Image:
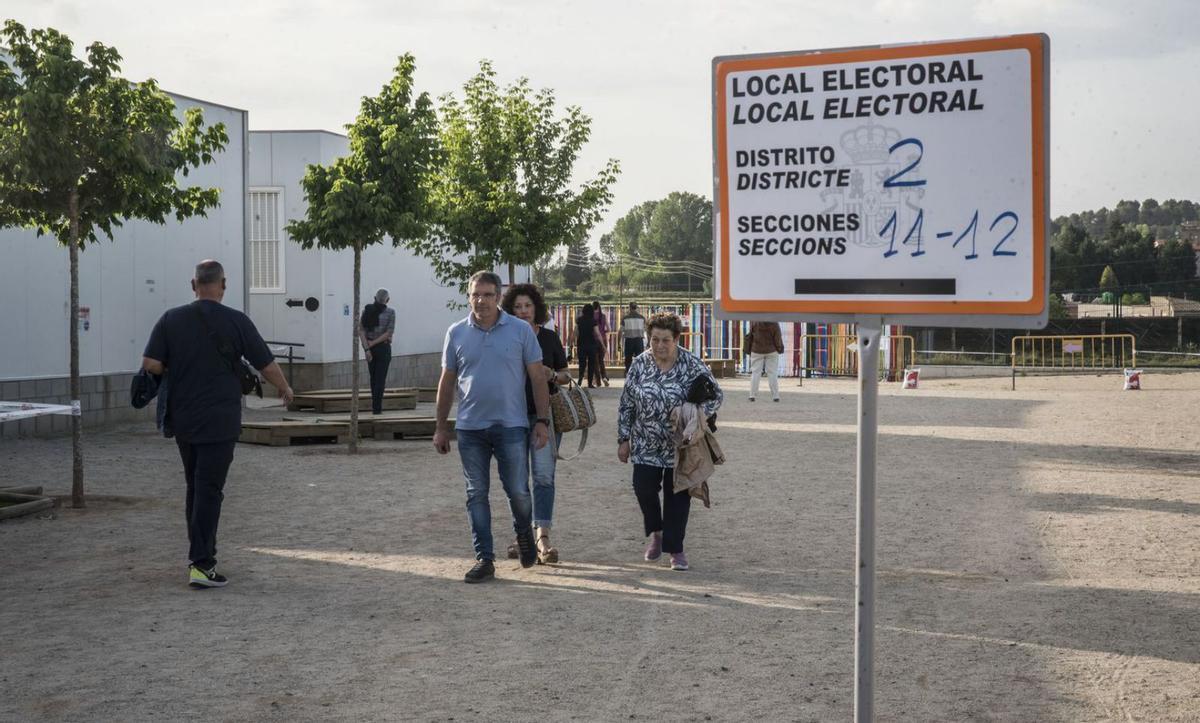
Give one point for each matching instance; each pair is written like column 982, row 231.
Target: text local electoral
column 899, row 98
column 833, row 80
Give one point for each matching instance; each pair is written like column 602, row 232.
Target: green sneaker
column 198, row 578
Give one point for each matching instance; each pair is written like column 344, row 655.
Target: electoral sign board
column 907, row 181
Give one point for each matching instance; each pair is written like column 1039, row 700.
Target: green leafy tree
column 628, row 232
column 1108, row 279
column 668, row 242
column 577, row 265
column 504, row 194
column 1133, row 250
column 681, row 229
column 1058, row 309
column 1176, row 261
column 82, row 150
column 379, row 189
column 1072, row 251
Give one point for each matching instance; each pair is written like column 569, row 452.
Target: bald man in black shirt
column 204, row 401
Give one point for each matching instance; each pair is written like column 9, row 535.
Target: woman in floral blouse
column 658, row 381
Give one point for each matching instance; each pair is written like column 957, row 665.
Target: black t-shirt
column 553, row 356
column 585, row 325
column 204, row 397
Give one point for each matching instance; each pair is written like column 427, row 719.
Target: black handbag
column 143, row 389
column 703, row 389
column 247, row 379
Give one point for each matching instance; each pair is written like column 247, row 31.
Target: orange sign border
column 1035, row 44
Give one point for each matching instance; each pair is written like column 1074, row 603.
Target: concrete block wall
column 410, row 370
column 104, row 399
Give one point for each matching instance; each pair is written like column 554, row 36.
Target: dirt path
column 1039, row 556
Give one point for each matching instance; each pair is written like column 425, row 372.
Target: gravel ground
column 1038, row 553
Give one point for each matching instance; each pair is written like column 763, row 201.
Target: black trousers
column 589, row 360
column 381, row 358
column 204, row 467
column 601, row 372
column 671, row 516
column 633, row 347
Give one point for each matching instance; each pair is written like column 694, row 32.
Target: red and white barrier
column 12, row 411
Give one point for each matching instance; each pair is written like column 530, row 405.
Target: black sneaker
column 483, row 571
column 527, row 547
column 201, row 578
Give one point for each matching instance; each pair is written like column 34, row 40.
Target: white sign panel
column 908, row 182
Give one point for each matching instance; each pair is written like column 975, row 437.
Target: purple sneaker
column 678, row 561
column 654, row 547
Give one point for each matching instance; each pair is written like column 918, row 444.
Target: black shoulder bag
column 246, row 377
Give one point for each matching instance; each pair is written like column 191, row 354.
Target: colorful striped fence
column 804, row 353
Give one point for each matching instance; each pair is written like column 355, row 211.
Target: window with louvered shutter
column 266, row 241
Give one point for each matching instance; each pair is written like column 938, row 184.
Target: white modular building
column 299, row 299
column 124, row 286
column 300, row 296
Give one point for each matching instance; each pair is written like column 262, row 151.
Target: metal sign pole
column 869, row 330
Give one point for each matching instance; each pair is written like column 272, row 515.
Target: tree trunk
column 512, row 273
column 354, row 351
column 76, row 420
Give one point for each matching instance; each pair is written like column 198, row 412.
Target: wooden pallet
column 615, row 370
column 14, row 503
column 283, row 434
column 722, row 368
column 424, row 394
column 411, row 428
column 364, row 390
column 325, row 403
column 366, row 420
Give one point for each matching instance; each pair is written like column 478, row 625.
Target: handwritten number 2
column 1009, row 215
column 891, row 180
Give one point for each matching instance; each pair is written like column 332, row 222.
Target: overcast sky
column 1125, row 76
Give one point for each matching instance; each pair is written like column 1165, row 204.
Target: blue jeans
column 510, row 447
column 541, row 468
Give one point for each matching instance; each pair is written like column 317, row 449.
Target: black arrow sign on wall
column 294, row 302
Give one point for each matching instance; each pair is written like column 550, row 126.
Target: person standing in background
column 601, row 333
column 764, row 343
column 633, row 333
column 378, row 324
column 585, row 345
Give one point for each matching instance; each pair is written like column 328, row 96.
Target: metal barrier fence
column 290, row 356
column 1072, row 354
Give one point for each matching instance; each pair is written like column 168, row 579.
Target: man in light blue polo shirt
column 487, row 356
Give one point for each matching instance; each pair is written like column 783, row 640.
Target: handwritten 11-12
column 888, row 231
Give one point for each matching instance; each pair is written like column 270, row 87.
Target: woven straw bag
column 571, row 410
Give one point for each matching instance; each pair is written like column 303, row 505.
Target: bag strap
column 570, row 403
column 589, row 410
column 574, row 412
column 582, row 443
column 215, row 338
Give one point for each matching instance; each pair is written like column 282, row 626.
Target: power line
column 647, row 269
column 636, row 262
